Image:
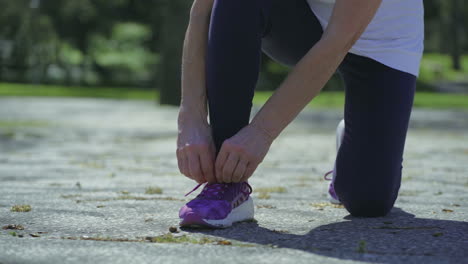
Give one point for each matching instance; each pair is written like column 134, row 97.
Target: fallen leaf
column 267, row 206
column 16, row 227
column 224, row 242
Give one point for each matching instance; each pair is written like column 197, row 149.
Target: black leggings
column 377, row 106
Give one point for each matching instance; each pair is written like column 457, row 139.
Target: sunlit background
column 131, row 49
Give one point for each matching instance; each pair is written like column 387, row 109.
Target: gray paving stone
column 83, row 165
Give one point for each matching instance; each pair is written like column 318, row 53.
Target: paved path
column 84, row 165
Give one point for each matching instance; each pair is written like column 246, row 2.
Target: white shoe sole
column 333, row 200
column 339, row 134
column 339, row 138
column 243, row 212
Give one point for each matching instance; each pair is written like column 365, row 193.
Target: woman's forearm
column 302, row 84
column 193, row 94
column 349, row 19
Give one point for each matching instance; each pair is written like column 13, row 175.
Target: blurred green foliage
column 118, row 43
column 124, row 53
column 437, row 67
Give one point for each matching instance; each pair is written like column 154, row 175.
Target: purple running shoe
column 219, row 205
column 332, row 197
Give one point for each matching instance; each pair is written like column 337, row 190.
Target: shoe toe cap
column 205, row 209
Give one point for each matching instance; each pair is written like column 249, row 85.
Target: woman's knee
column 237, row 24
column 368, row 176
column 369, row 201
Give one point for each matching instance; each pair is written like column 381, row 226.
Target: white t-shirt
column 394, row 37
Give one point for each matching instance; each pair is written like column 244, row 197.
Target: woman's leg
column 239, row 31
column 232, row 65
column 377, row 111
column 292, row 30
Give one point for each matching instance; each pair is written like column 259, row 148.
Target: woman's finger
column 184, row 163
column 180, row 160
column 249, row 170
column 207, row 165
column 229, row 166
column 194, row 167
column 239, row 170
column 219, row 163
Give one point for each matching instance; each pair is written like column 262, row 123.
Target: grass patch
column 70, row 196
column 22, row 123
column 169, row 238
column 264, row 195
column 21, row 208
column 323, row 205
column 153, row 190
column 421, row 100
column 441, row 101
column 139, row 198
column 108, row 239
column 184, row 239
column 13, row 89
column 131, row 197
column 410, row 192
column 271, row 190
column 7, row 134
column 166, row 238
column 362, row 247
column 323, row 100
column 89, row 164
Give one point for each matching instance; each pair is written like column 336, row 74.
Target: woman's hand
column 195, row 147
column 196, row 150
column 240, row 154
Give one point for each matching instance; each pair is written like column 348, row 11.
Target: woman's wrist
column 259, row 126
column 192, row 114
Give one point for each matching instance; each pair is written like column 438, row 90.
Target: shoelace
column 325, row 177
column 216, row 188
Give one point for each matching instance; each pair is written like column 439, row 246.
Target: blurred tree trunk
column 442, row 23
column 455, row 25
column 22, row 47
column 176, row 17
